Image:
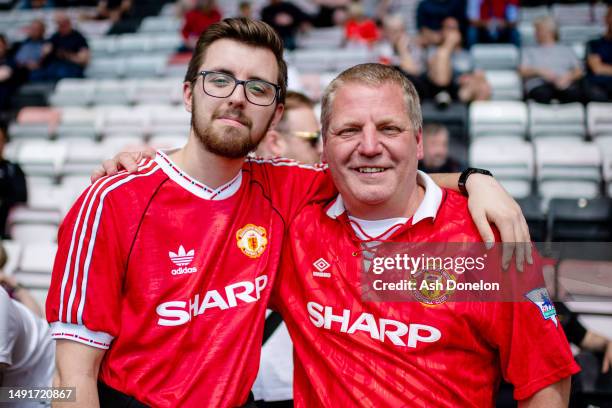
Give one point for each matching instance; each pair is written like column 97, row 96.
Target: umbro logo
column 321, row 265
column 182, row 259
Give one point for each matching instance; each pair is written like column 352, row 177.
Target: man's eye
column 257, row 89
column 220, row 81
column 348, row 131
column 391, row 130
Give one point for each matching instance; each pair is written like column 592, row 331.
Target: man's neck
column 208, row 168
column 398, row 208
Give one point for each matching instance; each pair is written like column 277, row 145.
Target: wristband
column 464, row 177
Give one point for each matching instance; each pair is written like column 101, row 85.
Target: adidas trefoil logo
column 182, row 259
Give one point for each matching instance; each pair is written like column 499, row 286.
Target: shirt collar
column 427, row 209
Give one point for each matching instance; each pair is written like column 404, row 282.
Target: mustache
column 233, row 114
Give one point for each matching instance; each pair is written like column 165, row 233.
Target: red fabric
column 350, row 359
column 365, row 31
column 118, row 251
column 495, row 8
column 196, row 22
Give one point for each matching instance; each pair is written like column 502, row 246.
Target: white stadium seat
column 599, row 119
column 498, row 118
column 506, row 85
column 556, row 120
column 495, row 56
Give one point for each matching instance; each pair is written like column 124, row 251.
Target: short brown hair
column 372, row 74
column 246, row 31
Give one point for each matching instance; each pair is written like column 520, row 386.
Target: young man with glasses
column 162, row 276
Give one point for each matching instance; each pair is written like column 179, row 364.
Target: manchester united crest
column 252, row 240
column 430, row 284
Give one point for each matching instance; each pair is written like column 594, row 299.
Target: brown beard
column 232, row 143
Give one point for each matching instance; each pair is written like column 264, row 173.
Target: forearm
column 593, row 342
column 440, row 67
column 407, row 63
column 86, row 391
column 553, row 396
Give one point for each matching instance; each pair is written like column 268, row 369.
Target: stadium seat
column 168, row 141
column 103, row 47
column 112, row 92
column 82, row 156
column 78, row 123
column 37, row 258
column 114, row 145
column 168, row 120
column 158, row 91
column 34, row 123
column 506, row 85
column 536, row 220
column 165, row 43
column 73, row 92
column 605, row 146
column 570, row 34
column 577, row 14
column 599, row 119
column 99, row 68
column 122, row 121
column 13, row 254
column 529, row 14
column 580, row 220
column 495, row 56
column 160, row 24
column 510, row 160
column 133, row 44
column 322, row 38
column 498, row 118
column 331, row 60
column 42, row 158
column 145, row 66
column 28, row 225
column 527, row 33
column 556, row 120
column 567, row 168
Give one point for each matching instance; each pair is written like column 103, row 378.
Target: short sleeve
column 84, row 298
column 534, row 352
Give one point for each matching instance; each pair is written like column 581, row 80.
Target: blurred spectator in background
column 245, row 9
column 493, row 21
column 297, row 135
column 35, row 4
column 7, row 70
column 66, row 53
column 359, row 28
column 286, row 18
column 451, row 71
column 13, row 187
column 599, row 64
column 113, row 10
column 197, row 20
column 404, row 52
column 27, row 352
column 331, row 12
column 435, row 151
column 431, row 13
column 29, row 55
column 550, row 70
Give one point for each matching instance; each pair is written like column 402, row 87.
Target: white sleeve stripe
column 94, row 233
column 80, row 334
column 80, row 222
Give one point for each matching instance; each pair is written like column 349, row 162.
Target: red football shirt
column 173, row 278
column 373, row 354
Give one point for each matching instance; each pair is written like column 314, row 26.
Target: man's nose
column 369, row 145
column 238, row 97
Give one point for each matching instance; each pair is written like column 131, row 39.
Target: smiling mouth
column 370, row 170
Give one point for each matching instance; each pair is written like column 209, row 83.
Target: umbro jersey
column 173, row 278
column 348, row 352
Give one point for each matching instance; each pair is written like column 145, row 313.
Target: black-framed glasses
column 222, row 85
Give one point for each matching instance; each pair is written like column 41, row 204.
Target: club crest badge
column 252, row 240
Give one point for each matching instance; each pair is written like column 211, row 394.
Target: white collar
column 427, row 209
column 195, row 187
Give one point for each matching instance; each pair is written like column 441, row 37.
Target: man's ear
column 278, row 114
column 419, row 140
column 272, row 145
column 187, row 95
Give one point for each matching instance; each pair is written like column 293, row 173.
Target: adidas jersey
column 173, row 278
column 348, row 352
